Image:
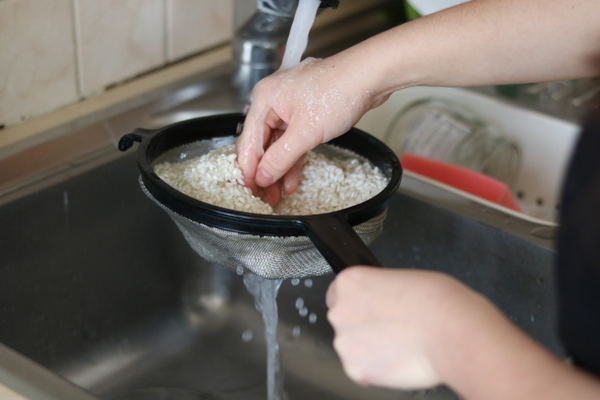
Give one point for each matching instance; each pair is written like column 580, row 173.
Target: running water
column 265, row 300
column 265, row 290
column 298, row 39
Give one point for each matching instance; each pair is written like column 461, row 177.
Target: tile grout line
column 77, row 41
column 166, row 29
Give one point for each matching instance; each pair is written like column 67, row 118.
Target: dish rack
column 544, row 143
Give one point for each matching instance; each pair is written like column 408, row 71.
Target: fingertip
column 290, row 183
column 331, row 296
column 272, row 194
column 263, row 178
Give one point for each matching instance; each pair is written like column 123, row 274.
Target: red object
column 461, row 178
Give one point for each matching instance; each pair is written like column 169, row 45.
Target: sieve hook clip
column 126, row 141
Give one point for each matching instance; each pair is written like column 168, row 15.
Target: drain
column 164, row 394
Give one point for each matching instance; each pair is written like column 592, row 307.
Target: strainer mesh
column 267, row 256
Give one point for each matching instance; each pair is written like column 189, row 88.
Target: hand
column 393, row 326
column 292, row 112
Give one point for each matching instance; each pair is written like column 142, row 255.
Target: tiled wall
column 56, row 52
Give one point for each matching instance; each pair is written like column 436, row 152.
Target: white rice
column 325, row 184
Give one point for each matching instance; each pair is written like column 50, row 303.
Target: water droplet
column 295, row 282
column 299, row 303
column 239, row 270
column 308, row 283
column 312, row 318
column 303, row 312
column 533, row 318
column 247, row 335
column 296, row 331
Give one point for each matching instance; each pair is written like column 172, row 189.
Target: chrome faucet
column 259, row 44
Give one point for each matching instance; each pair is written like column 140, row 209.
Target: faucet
column 259, row 44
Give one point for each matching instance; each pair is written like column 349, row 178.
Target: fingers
column 271, row 135
column 346, row 297
column 250, row 150
column 285, row 152
column 351, row 358
column 378, row 334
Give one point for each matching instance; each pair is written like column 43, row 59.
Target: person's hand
column 292, row 112
column 399, row 328
column 408, row 329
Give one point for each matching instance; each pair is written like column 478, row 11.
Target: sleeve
column 578, row 261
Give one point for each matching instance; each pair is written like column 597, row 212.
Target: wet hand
column 292, row 112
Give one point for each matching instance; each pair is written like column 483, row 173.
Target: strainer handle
column 339, row 244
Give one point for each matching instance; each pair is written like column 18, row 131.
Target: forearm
column 503, row 363
column 484, row 42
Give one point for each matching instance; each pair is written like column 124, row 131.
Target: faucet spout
column 259, row 44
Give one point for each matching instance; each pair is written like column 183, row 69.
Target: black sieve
column 273, row 246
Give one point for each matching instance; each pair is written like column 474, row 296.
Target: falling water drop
column 247, row 335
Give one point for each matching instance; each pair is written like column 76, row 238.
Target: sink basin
column 98, row 286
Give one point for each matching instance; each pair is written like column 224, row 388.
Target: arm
column 415, row 329
column 489, row 42
column 481, row 42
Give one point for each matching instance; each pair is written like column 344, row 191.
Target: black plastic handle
column 338, row 242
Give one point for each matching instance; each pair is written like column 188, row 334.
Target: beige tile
column 117, row 40
column 195, row 25
column 37, row 59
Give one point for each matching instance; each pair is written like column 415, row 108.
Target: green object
column 510, row 91
column 411, row 13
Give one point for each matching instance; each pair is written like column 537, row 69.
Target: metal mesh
column 268, row 256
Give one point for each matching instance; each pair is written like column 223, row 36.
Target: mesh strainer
column 272, row 246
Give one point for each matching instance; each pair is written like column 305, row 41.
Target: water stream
column 265, row 300
column 265, row 290
column 298, row 38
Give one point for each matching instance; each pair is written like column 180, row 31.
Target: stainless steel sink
column 98, row 286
